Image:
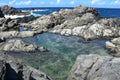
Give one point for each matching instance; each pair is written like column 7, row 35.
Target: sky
column 61, row 3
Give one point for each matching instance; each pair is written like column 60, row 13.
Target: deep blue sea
column 104, row 12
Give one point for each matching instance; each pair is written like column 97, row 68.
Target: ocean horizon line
column 65, row 7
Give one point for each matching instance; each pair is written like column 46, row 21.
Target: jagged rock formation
column 7, row 10
column 82, row 21
column 114, row 46
column 95, row 67
column 19, row 45
column 14, row 69
column 99, row 29
column 8, row 24
column 57, row 18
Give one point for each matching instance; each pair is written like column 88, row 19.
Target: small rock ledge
column 19, row 45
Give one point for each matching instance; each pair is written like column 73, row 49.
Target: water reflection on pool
column 63, row 51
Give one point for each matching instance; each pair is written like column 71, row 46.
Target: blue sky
column 61, row 3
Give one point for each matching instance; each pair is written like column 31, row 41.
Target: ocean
column 104, row 12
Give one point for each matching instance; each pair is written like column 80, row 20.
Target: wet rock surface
column 14, row 69
column 114, row 46
column 19, row 45
column 95, row 67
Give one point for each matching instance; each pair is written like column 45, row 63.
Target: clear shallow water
column 61, row 55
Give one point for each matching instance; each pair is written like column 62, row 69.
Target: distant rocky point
column 7, row 10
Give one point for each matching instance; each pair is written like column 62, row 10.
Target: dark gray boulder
column 95, row 67
column 7, row 10
column 8, row 24
column 15, row 69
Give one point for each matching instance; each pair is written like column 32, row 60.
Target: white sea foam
column 15, row 16
column 35, row 14
column 35, row 10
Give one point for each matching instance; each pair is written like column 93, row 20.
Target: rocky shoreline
column 14, row 69
column 84, row 22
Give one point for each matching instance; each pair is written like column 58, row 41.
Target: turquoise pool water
column 61, row 54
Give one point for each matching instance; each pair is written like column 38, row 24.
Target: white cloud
column 12, row 2
column 58, row 1
column 116, row 2
column 97, row 2
column 24, row 2
column 72, row 2
column 94, row 1
column 42, row 2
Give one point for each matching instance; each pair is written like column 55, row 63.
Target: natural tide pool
column 61, row 55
